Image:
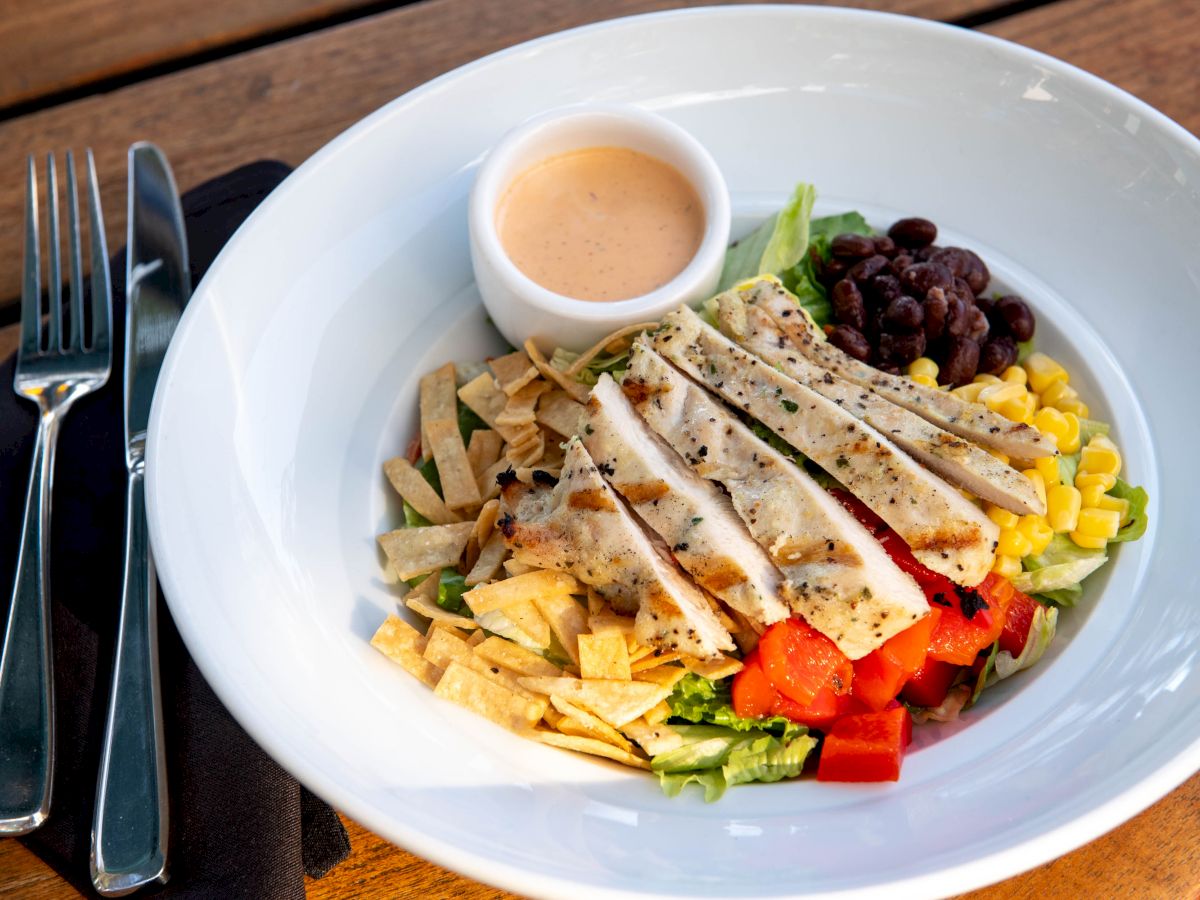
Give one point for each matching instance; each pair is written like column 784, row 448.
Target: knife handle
column 129, row 830
column 26, row 674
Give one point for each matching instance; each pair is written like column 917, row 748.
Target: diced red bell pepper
column 865, row 747
column 1016, row 623
column 825, row 709
column 753, row 694
column 959, row 638
column 799, row 661
column 879, row 675
column 929, row 685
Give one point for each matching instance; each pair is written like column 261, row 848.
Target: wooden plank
column 288, row 99
column 50, row 47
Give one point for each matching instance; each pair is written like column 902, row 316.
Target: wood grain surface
column 47, row 47
column 287, row 99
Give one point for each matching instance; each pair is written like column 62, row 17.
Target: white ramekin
column 520, row 307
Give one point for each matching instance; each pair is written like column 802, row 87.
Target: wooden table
column 223, row 82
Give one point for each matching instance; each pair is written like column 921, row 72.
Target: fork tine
column 76, row 338
column 31, row 287
column 102, row 305
column 54, row 287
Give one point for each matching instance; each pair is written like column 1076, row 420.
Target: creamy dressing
column 602, row 224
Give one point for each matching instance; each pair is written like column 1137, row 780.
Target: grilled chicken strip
column 582, row 527
column 838, row 577
column 695, row 519
column 946, row 532
column 958, row 461
column 972, row 421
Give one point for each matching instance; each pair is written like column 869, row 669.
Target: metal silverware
column 129, row 830
column 57, row 363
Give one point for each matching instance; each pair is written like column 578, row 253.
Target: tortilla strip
column 529, row 454
column 470, row 690
column 652, row 660
column 403, row 644
column 658, row 714
column 654, row 739
column 513, row 371
column 604, row 656
column 558, row 412
column 582, row 723
column 491, row 557
column 489, row 489
column 525, row 616
column 435, row 613
column 484, row 449
column 459, row 488
column 567, row 618
column 512, row 656
column 566, row 382
column 616, row 702
column 437, row 392
column 713, row 669
column 418, row 551
column 664, row 676
column 580, row 362
column 501, row 594
column 521, row 406
column 515, row 567
column 590, row 746
column 417, row 492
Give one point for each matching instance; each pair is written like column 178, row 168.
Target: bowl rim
column 987, row 869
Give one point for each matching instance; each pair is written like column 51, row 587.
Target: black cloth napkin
column 240, row 825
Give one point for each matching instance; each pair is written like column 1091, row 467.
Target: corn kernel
column 1013, row 543
column 1043, row 371
column 925, row 380
column 1019, row 409
column 1051, row 423
column 999, row 454
column 923, row 365
column 1007, row 567
column 986, row 379
column 968, row 392
column 1104, row 441
column 1070, row 443
column 1076, row 407
column 1037, row 531
column 1088, row 542
column 999, row 392
column 1116, row 504
column 1056, row 392
column 1086, row 479
column 1102, row 523
column 1062, row 508
column 1098, row 458
column 1038, row 482
column 1048, row 466
column 1090, row 495
column 1002, row 517
column 1015, row 375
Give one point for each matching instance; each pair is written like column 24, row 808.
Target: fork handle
column 26, row 675
column 129, row 830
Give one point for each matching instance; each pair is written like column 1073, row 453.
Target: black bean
column 977, row 324
column 962, row 289
column 900, row 262
column 883, row 289
column 888, row 367
column 997, row 355
column 925, row 253
column 1016, row 315
column 958, row 318
column 937, row 307
column 868, row 268
column 986, row 304
column 851, row 341
column 885, row 246
column 831, row 272
column 852, row 247
column 848, row 306
column 901, row 349
column 918, row 278
column 904, row 314
column 960, row 363
column 913, row 232
column 965, row 264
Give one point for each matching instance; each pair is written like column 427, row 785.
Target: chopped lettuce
column 1059, row 568
column 984, row 673
column 776, row 245
column 1089, row 428
column 802, row 279
column 717, row 757
column 428, row 470
column 614, row 364
column 948, row 711
column 1041, row 633
column 1138, row 520
column 468, row 421
column 698, row 699
column 777, row 443
column 451, row 587
column 1067, row 467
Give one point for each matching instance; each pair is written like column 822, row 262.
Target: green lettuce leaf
column 802, row 279
column 712, row 780
column 1067, row 596
column 1057, row 571
column 428, row 470
column 451, row 587
column 468, row 422
column 697, row 699
column 1041, row 633
column 776, row 245
column 1089, row 428
column 1138, row 519
column 984, row 673
column 718, row 757
column 768, row 759
column 413, row 519
column 614, row 364
column 1067, row 467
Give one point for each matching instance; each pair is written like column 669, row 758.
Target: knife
column 129, row 828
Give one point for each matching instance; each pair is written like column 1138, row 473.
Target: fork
column 55, row 367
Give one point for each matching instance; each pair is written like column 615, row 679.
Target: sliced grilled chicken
column 958, row 461
column 690, row 514
column 946, row 532
column 581, row 526
column 838, row 577
column 973, row 421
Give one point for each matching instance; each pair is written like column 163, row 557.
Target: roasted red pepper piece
column 967, row 624
column 799, row 661
column 865, row 747
column 929, row 684
column 1016, row 623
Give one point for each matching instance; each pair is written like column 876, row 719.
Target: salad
column 765, row 537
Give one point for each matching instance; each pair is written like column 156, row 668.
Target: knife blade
column 130, row 823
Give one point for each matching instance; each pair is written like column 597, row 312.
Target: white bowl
column 294, row 375
column 520, row 307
